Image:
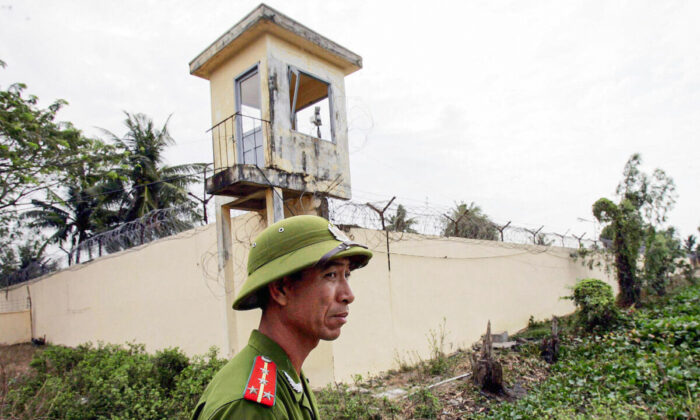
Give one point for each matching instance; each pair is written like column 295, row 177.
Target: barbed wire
column 429, row 222
column 426, row 223
column 156, row 224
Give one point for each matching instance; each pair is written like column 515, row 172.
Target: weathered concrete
column 264, row 19
column 15, row 327
column 296, row 162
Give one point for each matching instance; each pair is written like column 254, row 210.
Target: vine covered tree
column 469, row 221
column 644, row 202
column 662, row 250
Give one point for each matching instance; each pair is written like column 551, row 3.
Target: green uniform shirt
column 223, row 398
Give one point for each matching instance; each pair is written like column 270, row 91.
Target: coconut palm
column 399, row 223
column 469, row 222
column 75, row 211
column 146, row 183
column 73, row 220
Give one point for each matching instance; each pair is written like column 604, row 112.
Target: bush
column 168, row 364
column 426, row 405
column 596, row 304
column 110, row 381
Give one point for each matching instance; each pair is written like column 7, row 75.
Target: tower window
column 310, row 104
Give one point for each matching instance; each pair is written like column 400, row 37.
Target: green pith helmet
column 291, row 245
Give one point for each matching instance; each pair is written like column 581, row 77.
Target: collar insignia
column 264, row 373
column 296, row 386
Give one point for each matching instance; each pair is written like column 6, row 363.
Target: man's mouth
column 342, row 316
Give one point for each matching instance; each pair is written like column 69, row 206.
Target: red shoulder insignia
column 262, row 382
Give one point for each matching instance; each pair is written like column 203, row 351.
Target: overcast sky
column 528, row 108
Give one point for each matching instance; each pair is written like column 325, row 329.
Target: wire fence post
column 534, row 234
column 579, row 238
column 386, row 232
column 457, row 231
column 501, row 229
column 561, row 236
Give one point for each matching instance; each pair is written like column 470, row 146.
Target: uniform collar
column 268, row 347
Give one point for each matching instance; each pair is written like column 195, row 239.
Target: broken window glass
column 310, row 105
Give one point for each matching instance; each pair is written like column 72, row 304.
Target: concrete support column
column 225, row 250
column 274, row 205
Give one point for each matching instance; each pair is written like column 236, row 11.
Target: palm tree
column 72, row 219
column 469, row 222
column 24, row 263
column 76, row 211
column 399, row 222
column 146, row 183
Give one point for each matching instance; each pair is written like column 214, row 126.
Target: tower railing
column 239, row 139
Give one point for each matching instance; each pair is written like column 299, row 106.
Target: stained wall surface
column 461, row 282
column 169, row 293
column 15, row 327
column 163, row 294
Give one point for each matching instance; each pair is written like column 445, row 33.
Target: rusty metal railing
column 239, row 139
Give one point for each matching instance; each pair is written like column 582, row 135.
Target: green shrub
column 110, row 381
column 596, row 304
column 168, row 364
column 426, row 405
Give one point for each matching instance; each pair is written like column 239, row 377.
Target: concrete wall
column 163, row 294
column 15, row 327
column 461, row 281
column 169, row 293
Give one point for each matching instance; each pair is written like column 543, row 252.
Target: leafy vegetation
column 109, row 381
column 648, row 370
column 34, row 151
column 147, row 183
column 635, row 220
column 400, row 222
column 469, row 221
column 596, row 304
column 54, row 181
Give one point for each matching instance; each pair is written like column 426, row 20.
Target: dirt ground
column 14, row 362
column 460, row 398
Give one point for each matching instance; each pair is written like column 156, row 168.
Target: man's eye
column 331, row 274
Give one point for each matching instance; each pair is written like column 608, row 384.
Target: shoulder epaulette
column 262, row 382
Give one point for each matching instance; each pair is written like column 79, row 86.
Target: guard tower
column 279, row 126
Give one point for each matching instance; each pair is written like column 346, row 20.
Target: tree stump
column 549, row 349
column 487, row 372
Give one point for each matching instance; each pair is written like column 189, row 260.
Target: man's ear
column 279, row 292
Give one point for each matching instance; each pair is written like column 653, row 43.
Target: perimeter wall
column 170, row 293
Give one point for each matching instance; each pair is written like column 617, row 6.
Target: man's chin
column 331, row 336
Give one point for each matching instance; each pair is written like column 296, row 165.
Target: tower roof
column 264, row 19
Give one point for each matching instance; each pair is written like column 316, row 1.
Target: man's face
column 319, row 303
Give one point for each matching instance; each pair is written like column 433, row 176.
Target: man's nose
column 345, row 293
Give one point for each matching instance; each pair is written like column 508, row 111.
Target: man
column 298, row 272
